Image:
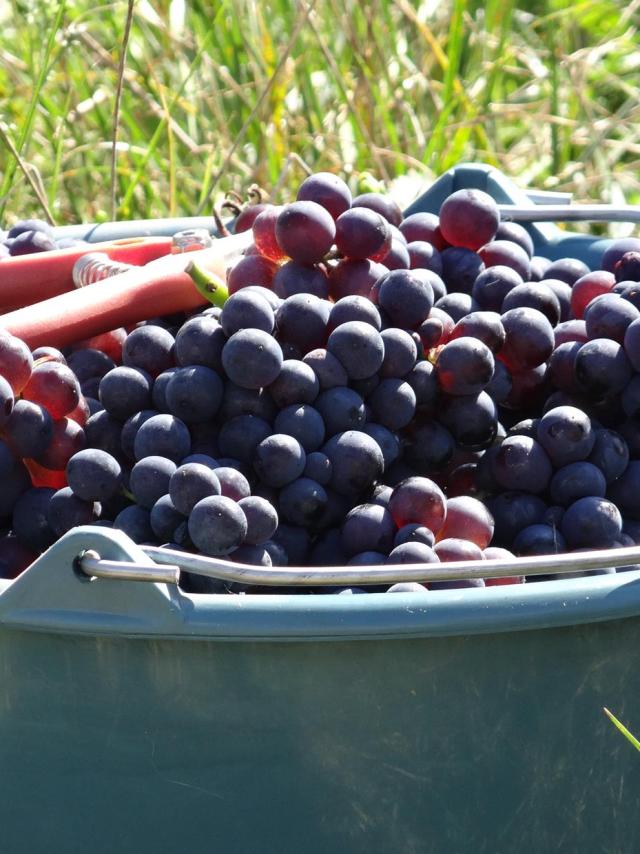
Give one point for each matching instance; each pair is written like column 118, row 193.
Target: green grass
column 220, row 95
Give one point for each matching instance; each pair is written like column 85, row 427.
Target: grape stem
column 207, row 284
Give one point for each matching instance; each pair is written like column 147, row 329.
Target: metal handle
column 93, row 566
column 570, row 213
column 391, row 573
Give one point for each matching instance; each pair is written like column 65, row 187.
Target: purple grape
column 217, row 525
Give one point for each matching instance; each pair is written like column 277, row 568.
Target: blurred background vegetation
column 218, row 95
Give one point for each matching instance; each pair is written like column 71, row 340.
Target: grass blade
column 116, row 108
column 614, row 720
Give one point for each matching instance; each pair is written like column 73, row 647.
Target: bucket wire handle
column 223, row 570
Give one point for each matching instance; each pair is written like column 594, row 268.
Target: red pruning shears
column 27, row 279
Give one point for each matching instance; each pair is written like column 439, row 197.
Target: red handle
column 27, row 279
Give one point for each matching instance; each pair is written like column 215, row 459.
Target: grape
column 576, row 480
column 252, row 358
column 124, row 391
column 305, row 231
column 423, row 380
column 250, row 270
column 406, row 297
column 467, row 518
column 88, row 363
column 29, row 521
column 456, row 306
column 351, row 308
column 16, row 361
column 425, row 256
column 369, row 558
column 501, row 385
column 413, row 533
column 194, row 393
column 380, row 203
column 199, row 341
column 349, row 277
column 24, row 225
column 460, row 268
column 397, row 258
column 534, row 295
column 28, row 242
column 296, row 383
column 165, row 520
column 240, row 436
column 246, row 217
column 149, row 348
column 295, row 541
column 455, row 549
column 246, row 401
column 418, row 500
column 246, row 310
column 318, row 467
column 411, row 552
column 492, row 285
column 388, row 441
column 521, row 463
column 570, row 330
column 588, row 287
column 53, row 386
column 304, row 423
column 233, row 483
column 464, row 366
column 293, row 278
column 359, row 347
column 529, row 340
column 327, row 368
column 149, row 479
column 66, row 511
column 602, row 367
column 566, row 434
column 361, row 233
column 190, row 483
column 400, row 353
column 326, row 189
column 302, row 320
column 539, row 539
column 471, row 419
column 356, row 462
column 591, row 522
column 303, row 502
column 341, row 409
column 68, row 438
column 163, row 436
column 486, row 326
column 129, row 431
column 262, row 519
column 469, row 218
column 428, row 446
column 102, row 431
column 610, row 454
column 562, row 292
column 279, row 459
column 508, row 254
column 568, row 270
column 264, row 233
column 423, row 226
column 135, row 521
column 632, row 344
column 29, row 429
column 516, row 233
column 393, row 403
column 512, row 511
column 562, row 367
column 94, row 475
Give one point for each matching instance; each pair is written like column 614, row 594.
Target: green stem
column 207, row 284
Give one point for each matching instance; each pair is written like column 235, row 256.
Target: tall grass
column 221, row 94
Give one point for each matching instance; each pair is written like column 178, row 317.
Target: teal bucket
column 135, row 717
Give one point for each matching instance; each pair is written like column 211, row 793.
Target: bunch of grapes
column 28, row 236
column 376, row 390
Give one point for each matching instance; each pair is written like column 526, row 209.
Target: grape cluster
column 376, row 390
column 28, row 236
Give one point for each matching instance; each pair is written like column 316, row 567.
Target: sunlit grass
column 212, row 101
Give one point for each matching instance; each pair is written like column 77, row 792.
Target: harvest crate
column 135, row 717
